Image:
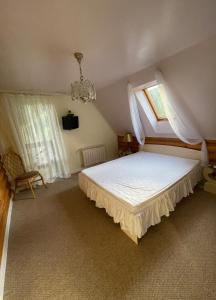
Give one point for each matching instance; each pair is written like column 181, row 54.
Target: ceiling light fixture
column 82, row 91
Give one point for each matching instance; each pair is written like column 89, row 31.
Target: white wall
column 192, row 73
column 93, row 130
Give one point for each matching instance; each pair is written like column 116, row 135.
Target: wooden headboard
column 211, row 145
column 5, row 193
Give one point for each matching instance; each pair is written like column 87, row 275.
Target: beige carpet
column 62, row 247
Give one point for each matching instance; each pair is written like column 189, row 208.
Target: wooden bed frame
column 211, row 145
column 5, row 194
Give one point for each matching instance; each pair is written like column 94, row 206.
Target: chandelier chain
column 81, row 73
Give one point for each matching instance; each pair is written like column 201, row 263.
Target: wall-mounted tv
column 70, row 121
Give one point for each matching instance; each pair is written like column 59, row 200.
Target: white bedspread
column 143, row 186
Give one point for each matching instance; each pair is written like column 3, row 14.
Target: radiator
column 93, row 155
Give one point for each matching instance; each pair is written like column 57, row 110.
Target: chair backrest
column 13, row 164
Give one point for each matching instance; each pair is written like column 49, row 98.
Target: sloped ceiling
column 117, row 37
column 191, row 73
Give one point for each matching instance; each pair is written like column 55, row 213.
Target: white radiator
column 93, row 155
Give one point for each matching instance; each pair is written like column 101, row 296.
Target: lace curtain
column 179, row 118
column 37, row 135
column 135, row 116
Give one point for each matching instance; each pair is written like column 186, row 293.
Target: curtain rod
column 32, row 93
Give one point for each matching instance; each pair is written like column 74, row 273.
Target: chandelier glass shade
column 82, row 91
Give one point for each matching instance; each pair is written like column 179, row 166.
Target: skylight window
column 154, row 96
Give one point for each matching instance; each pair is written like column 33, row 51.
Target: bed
column 138, row 189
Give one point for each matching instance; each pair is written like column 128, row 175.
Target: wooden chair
column 14, row 165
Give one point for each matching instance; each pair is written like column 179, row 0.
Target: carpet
column 62, row 247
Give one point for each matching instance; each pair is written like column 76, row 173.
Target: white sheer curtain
column 135, row 116
column 179, row 118
column 36, row 131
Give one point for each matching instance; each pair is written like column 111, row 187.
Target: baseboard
column 4, row 252
column 75, row 171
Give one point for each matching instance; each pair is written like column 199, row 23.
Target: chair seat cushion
column 27, row 175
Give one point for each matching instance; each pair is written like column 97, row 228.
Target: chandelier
column 82, row 91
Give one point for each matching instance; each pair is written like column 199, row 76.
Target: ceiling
column 117, row 37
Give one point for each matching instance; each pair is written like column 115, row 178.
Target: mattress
column 136, row 190
column 137, row 178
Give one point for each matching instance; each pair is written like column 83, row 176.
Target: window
column 154, row 97
column 35, row 123
column 38, row 141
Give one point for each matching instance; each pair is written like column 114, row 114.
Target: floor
column 62, row 247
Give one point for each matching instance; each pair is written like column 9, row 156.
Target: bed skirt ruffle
column 137, row 222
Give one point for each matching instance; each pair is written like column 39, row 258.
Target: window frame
column 158, row 118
